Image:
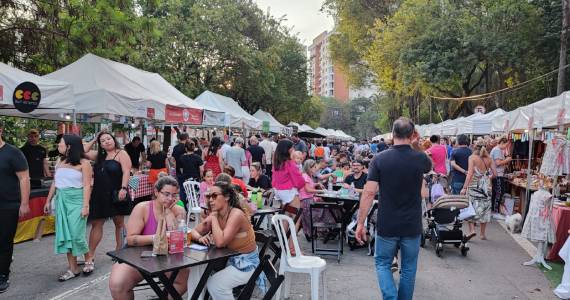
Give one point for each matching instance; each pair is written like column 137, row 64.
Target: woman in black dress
column 109, row 193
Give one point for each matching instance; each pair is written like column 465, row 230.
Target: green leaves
column 415, row 48
column 227, row 46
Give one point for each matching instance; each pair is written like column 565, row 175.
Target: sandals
column 88, row 268
column 67, row 276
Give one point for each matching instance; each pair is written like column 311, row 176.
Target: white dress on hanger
column 555, row 160
column 538, row 224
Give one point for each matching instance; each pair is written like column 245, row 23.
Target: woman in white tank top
column 71, row 191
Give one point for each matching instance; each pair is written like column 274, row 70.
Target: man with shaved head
column 397, row 174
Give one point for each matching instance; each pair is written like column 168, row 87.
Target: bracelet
column 124, row 188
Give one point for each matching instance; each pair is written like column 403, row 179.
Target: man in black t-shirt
column 257, row 153
column 14, row 202
column 358, row 177
column 177, row 152
column 134, row 149
column 36, row 156
column 398, row 174
column 459, row 161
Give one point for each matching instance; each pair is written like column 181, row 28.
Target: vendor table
column 140, row 186
column 561, row 217
column 36, row 223
column 158, row 266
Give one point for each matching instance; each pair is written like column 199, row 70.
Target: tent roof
column 238, row 115
column 274, row 125
column 56, row 96
column 103, row 86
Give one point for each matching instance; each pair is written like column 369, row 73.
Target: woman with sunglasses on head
column 109, row 194
column 258, row 179
column 141, row 229
column 72, row 191
column 227, row 225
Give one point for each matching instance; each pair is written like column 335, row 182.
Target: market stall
column 27, row 95
column 274, row 125
column 236, row 116
column 111, row 90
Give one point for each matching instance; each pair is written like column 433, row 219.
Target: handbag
column 116, row 198
column 160, row 241
column 467, row 213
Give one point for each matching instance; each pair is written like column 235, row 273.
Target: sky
column 303, row 15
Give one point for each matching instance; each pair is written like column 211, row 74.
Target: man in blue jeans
column 397, row 174
column 459, row 160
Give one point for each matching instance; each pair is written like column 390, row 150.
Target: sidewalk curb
column 527, row 246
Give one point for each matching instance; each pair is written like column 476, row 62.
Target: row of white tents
column 320, row 132
column 546, row 113
column 93, row 88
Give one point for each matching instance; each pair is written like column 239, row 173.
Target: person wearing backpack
column 319, row 151
column 477, row 187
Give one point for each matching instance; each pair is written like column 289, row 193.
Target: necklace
column 226, row 216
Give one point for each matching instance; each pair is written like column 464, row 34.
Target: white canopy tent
column 106, row 87
column 343, row 136
column 451, row 128
column 274, row 125
column 56, row 101
column 238, row 117
column 479, row 124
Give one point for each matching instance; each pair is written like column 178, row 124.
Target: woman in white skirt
column 287, row 179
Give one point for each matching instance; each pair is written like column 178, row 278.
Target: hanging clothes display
column 538, row 224
column 556, row 158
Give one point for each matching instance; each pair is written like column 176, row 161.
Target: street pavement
column 491, row 270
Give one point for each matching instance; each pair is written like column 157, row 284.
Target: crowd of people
column 91, row 186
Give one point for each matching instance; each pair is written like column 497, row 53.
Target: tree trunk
column 563, row 45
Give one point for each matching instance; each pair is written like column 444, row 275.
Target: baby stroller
column 443, row 224
column 370, row 228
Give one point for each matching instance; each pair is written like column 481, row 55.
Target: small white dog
column 514, row 223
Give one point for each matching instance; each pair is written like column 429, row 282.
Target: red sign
column 150, row 112
column 175, row 114
column 176, row 242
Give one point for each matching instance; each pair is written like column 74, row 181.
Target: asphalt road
column 491, row 270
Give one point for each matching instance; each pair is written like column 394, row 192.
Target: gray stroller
column 444, row 225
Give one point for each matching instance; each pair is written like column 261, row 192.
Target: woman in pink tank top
column 141, row 228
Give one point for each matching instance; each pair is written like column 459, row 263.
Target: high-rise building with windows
column 325, row 79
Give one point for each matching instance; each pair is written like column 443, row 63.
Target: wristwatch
column 124, row 188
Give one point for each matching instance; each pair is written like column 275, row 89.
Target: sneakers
column 4, row 283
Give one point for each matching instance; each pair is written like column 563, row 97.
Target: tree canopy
column 227, row 46
column 448, row 48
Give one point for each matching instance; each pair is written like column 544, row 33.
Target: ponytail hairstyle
column 229, row 191
column 481, row 149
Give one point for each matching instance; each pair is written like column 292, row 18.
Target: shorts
column 286, row 196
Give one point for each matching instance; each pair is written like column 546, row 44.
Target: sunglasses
column 211, row 195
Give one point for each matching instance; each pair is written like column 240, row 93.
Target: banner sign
column 150, row 113
column 214, row 118
column 26, row 97
column 265, row 126
column 175, row 114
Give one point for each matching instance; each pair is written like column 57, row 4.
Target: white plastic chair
column 192, row 189
column 312, row 265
